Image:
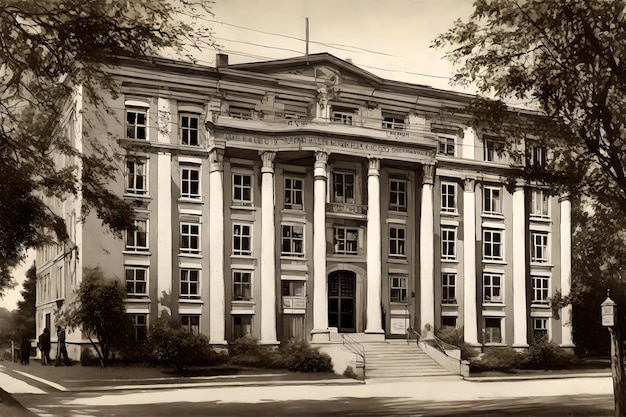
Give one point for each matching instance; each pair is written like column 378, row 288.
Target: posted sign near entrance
column 608, row 308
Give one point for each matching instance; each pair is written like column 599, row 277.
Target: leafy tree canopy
column 56, row 45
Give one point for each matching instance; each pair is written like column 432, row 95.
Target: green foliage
column 55, row 46
column 169, row 344
column 543, row 354
column 246, row 351
column 24, row 316
column 99, row 311
column 301, row 357
column 503, row 359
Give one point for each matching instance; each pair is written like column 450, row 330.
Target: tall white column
column 217, row 306
column 520, row 325
column 427, row 251
column 320, row 296
column 374, row 263
column 566, row 269
column 164, row 236
column 469, row 263
column 268, row 251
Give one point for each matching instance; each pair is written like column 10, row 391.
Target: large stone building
column 306, row 197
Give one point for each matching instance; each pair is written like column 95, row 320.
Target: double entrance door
column 341, row 301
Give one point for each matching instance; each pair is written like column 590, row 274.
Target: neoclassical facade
column 309, row 198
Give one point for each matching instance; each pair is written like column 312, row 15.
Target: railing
column 432, row 344
column 356, row 348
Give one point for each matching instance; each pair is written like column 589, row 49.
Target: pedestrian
column 61, row 349
column 25, row 351
column 44, row 346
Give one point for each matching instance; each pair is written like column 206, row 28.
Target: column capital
column 469, row 184
column 216, row 160
column 268, row 161
column 429, row 173
column 321, row 157
column 565, row 197
column 374, row 166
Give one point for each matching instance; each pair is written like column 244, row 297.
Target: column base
column 320, row 335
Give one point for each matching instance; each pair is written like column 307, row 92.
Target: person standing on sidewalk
column 25, row 351
column 44, row 346
column 61, row 349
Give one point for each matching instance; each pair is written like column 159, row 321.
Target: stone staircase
column 396, row 359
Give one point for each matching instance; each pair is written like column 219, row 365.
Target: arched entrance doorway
column 341, row 301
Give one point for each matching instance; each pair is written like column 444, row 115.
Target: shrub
column 497, row 359
column 246, row 351
column 301, row 357
column 87, row 358
column 543, row 354
column 454, row 336
column 349, row 373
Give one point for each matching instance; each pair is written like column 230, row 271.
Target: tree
column 99, row 311
column 24, row 316
column 567, row 63
column 57, row 46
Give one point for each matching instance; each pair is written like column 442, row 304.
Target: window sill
column 190, row 255
column 495, row 216
column 142, row 300
column 541, row 264
column 540, row 305
column 137, row 196
column 450, row 261
column 495, row 344
column 450, row 213
column 397, row 258
column 249, row 207
column 192, row 200
column 194, row 300
column 244, row 302
column 455, row 304
column 140, row 253
column 494, row 261
column 242, row 257
column 292, row 258
column 294, row 210
column 493, row 304
column 540, row 219
column 398, row 212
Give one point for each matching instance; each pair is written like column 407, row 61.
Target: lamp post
column 609, row 320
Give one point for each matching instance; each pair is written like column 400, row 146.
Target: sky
column 391, row 39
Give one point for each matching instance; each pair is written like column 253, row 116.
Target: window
column 448, row 322
column 492, row 245
column 537, row 156
column 397, row 239
column 136, row 282
column 292, row 241
column 492, row 288
column 346, row 240
column 448, row 243
column 397, row 195
column 242, row 189
column 190, row 322
column 293, row 288
column 136, row 177
column 343, row 116
column 242, row 326
column 343, row 187
column 190, row 182
column 446, row 145
column 242, row 239
column 540, row 328
column 539, row 249
column 136, row 123
column 242, row 285
column 448, row 197
column 189, row 238
column 541, row 289
column 492, row 148
column 492, row 200
column 140, row 327
column 448, row 288
column 240, row 113
column 493, row 331
column 137, row 239
column 189, row 283
column 293, row 193
column 189, row 132
column 398, row 289
column 539, row 204
column 393, row 122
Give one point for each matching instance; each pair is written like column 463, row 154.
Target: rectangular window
column 538, row 156
column 242, row 285
column 541, row 289
column 136, row 176
column 189, row 238
column 190, row 182
column 492, row 200
column 346, row 240
column 398, row 289
column 492, row 288
column 540, row 328
column 343, row 116
column 393, row 122
column 242, row 326
column 293, row 288
column 397, row 195
column 397, row 241
column 539, row 204
column 136, row 123
column 242, row 239
column 190, row 322
column 140, row 327
column 343, row 187
column 446, row 145
column 492, row 245
column 137, row 239
column 448, row 288
column 539, row 249
column 493, row 331
column 189, row 283
column 448, row 197
column 492, row 147
column 136, row 282
column 448, row 322
column 293, row 193
column 189, row 132
column 292, row 241
column 448, row 243
column 242, row 189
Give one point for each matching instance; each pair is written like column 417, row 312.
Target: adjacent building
column 306, row 197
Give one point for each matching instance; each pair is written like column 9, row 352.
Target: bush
column 498, row 359
column 543, row 354
column 87, row 358
column 301, row 357
column 246, row 351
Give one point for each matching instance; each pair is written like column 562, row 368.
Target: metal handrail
column 354, row 347
column 440, row 345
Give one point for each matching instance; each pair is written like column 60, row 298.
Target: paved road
column 403, row 397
